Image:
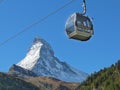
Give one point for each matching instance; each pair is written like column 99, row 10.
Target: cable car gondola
column 79, row 26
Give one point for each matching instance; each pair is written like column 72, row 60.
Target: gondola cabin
column 79, row 27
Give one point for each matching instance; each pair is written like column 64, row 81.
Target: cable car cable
column 35, row 23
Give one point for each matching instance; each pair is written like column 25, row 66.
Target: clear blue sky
column 102, row 50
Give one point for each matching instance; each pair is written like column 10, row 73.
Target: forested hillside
column 105, row 79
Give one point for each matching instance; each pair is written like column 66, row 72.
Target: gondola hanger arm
column 84, row 7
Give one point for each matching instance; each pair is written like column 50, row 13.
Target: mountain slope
column 106, row 79
column 13, row 82
column 47, row 83
column 40, row 60
column 9, row 82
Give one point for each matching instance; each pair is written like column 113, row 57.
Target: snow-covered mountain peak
column 37, row 39
column 40, row 60
column 39, row 48
column 45, row 45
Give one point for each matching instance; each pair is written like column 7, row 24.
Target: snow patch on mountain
column 32, row 56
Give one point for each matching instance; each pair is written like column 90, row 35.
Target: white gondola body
column 79, row 27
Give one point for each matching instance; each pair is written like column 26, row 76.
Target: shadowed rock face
column 40, row 60
column 17, row 70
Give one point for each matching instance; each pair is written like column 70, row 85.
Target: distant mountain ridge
column 40, row 61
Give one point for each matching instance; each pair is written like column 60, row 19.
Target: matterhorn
column 40, row 61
